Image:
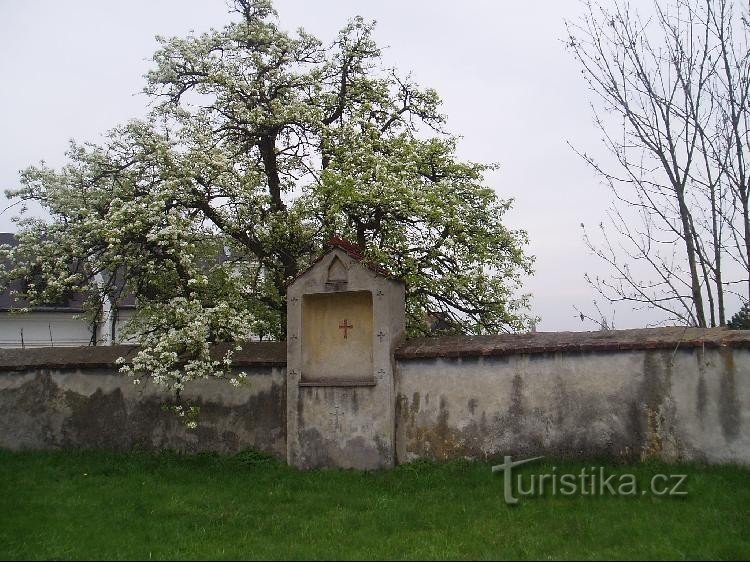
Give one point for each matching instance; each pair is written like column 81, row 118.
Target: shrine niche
column 337, row 337
column 345, row 318
column 337, row 274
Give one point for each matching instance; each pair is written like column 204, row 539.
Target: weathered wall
column 74, row 398
column 687, row 400
column 669, row 393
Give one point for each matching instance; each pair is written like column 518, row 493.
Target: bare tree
column 672, row 107
column 730, row 141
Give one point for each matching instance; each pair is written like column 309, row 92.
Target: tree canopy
column 268, row 143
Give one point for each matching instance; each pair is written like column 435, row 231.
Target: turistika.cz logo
column 590, row 481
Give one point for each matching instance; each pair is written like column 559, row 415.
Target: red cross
column 345, row 326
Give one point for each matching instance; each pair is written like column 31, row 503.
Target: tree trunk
column 695, row 285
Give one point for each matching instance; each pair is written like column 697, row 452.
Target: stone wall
column 675, row 394
column 74, row 398
column 671, row 393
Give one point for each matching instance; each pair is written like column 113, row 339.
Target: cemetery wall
column 670, row 393
column 72, row 398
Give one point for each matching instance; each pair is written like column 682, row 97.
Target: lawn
column 140, row 506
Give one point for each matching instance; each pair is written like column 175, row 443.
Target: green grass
column 106, row 505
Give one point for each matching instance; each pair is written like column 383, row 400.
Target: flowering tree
column 268, row 143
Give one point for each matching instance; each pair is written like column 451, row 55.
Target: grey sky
column 73, row 69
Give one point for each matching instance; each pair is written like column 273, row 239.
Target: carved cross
column 335, row 414
column 345, row 326
column 381, row 334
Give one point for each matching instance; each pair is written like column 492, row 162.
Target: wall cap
column 273, row 354
column 253, row 354
column 671, row 338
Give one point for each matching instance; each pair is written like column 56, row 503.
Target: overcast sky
column 73, row 69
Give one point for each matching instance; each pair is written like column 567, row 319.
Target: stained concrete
column 690, row 404
column 672, row 394
column 96, row 408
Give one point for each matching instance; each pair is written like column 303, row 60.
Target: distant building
column 58, row 324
